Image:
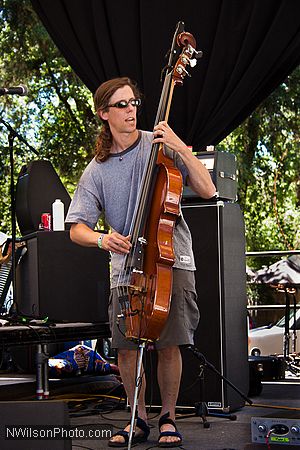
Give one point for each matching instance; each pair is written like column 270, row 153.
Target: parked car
column 268, row 340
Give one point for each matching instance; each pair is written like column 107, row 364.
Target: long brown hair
column 102, row 98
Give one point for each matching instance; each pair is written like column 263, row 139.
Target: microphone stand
column 201, row 407
column 13, row 312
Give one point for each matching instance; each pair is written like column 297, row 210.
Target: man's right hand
column 116, row 243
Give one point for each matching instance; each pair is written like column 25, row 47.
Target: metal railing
column 273, row 253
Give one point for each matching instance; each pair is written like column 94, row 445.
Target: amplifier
column 223, row 171
column 61, row 280
column 280, row 428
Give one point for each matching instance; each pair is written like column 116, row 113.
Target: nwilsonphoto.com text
column 92, row 431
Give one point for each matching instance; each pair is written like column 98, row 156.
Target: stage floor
column 277, row 399
column 222, row 433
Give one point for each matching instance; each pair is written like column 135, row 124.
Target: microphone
column 18, row 90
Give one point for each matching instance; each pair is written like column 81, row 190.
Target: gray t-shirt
column 112, row 187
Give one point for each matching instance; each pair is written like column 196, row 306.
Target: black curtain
column 249, row 47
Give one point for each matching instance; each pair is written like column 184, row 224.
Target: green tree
column 267, row 149
column 57, row 117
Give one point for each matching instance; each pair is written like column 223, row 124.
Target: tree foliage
column 267, row 149
column 57, row 119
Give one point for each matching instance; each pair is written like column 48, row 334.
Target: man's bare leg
column 127, row 363
column 169, row 377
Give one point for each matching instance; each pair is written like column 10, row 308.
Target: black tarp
column 249, row 48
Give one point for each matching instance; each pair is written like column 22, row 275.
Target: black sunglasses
column 123, row 103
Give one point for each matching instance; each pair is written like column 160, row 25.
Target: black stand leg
column 202, row 412
column 286, row 340
column 201, row 407
column 13, row 312
column 290, row 313
column 294, row 331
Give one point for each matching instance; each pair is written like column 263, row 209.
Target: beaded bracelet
column 100, row 238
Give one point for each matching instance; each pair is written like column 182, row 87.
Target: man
column 110, row 183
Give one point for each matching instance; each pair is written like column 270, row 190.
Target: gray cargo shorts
column 181, row 323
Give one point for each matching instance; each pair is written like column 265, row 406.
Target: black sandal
column 141, row 424
column 162, row 421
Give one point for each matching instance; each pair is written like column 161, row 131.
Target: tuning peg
column 193, row 62
column 198, row 54
column 180, row 70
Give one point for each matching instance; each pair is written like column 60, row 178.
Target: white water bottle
column 58, row 215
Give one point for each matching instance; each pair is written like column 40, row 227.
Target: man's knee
column 125, row 354
column 168, row 353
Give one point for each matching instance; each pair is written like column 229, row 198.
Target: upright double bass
column 145, row 282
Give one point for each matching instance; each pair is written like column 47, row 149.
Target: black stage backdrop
column 249, row 48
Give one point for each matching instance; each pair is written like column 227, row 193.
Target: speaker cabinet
column 32, row 416
column 62, row 280
column 219, row 248
column 223, row 172
column 37, row 187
